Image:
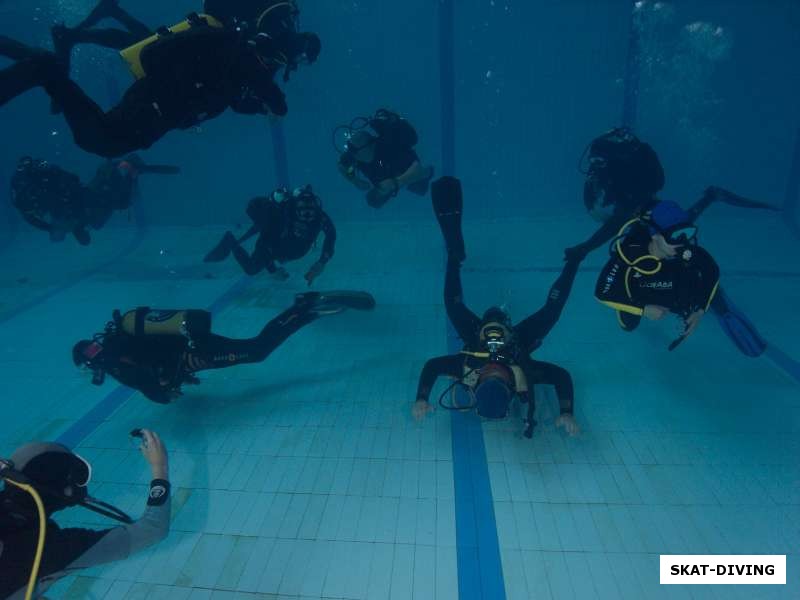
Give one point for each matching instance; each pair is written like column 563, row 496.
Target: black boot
column 448, row 204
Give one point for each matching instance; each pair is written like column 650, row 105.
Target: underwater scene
column 406, row 300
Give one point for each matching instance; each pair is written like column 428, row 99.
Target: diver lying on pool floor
column 495, row 364
column 657, row 268
column 157, row 351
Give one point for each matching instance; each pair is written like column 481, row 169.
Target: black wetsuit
column 628, row 184
column 69, row 550
column 526, row 337
column 283, row 237
column 158, row 365
column 390, row 161
column 683, row 284
column 191, row 77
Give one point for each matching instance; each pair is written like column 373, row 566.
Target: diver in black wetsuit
column 657, row 268
column 288, row 225
column 495, row 364
column 185, row 78
column 622, row 179
column 156, row 352
column 55, row 201
column 386, row 158
column 61, row 478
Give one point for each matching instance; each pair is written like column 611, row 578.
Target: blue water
column 305, row 477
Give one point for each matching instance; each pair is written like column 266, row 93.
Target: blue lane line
column 281, row 157
column 84, row 426
column 630, row 103
column 480, row 569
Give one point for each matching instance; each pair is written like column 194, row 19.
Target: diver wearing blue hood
column 495, row 364
column 657, row 268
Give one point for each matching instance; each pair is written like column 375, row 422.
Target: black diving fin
column 448, row 204
column 737, row 327
column 717, row 194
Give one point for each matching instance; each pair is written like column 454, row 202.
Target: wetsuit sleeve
column 329, row 245
column 144, row 380
column 451, row 365
column 121, row 542
column 261, row 95
column 603, row 235
column 706, row 280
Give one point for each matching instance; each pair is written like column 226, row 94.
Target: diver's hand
column 692, row 321
column 388, row 187
column 281, row 274
column 314, row 272
column 420, row 409
column 155, row 453
column 655, row 312
column 569, row 424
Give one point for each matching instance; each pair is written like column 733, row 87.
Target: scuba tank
column 135, row 54
column 145, row 321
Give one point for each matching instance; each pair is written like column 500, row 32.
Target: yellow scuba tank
column 133, row 54
column 148, row 321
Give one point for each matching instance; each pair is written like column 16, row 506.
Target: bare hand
column 655, row 312
column 692, row 321
column 155, row 453
column 569, row 424
column 314, row 272
column 420, row 409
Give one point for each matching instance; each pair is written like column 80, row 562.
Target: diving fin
column 222, row 250
column 718, row 194
column 331, row 303
column 737, row 327
column 448, row 205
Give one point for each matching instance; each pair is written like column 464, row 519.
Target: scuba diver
column 55, row 200
column 623, row 177
column 657, row 268
column 185, row 75
column 275, row 18
column 495, row 364
column 385, row 157
column 42, row 478
column 158, row 351
column 287, row 224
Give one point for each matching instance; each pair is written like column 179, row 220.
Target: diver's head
column 307, row 205
column 495, row 330
column 59, row 476
column 361, row 146
column 91, row 355
column 494, row 390
column 671, row 229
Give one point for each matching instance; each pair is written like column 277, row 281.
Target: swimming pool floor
column 305, row 477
